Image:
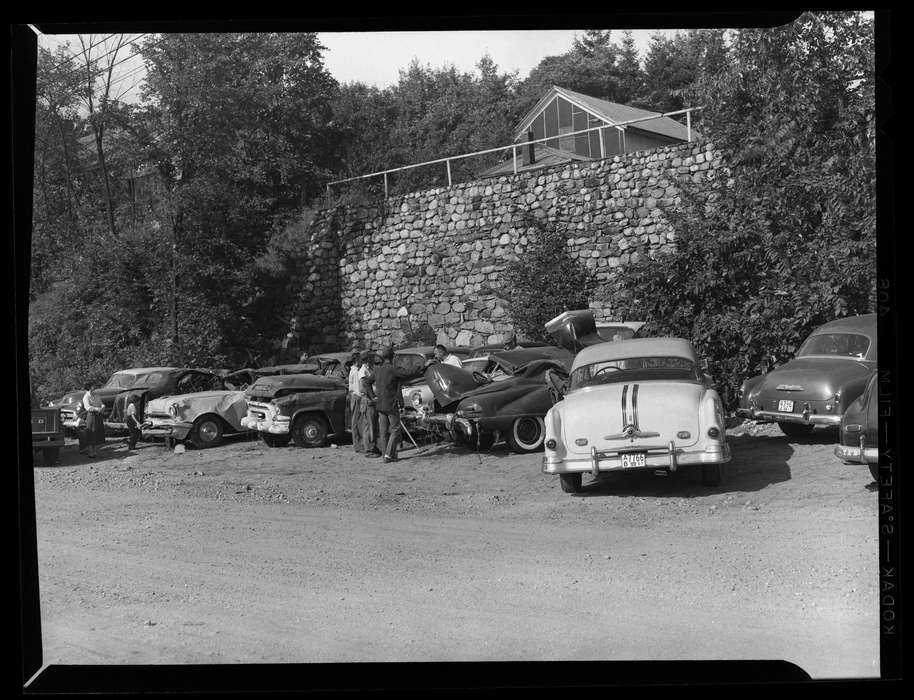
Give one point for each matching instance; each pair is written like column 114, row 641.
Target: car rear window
column 634, row 369
column 836, row 344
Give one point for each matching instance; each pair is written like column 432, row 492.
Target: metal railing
column 515, row 146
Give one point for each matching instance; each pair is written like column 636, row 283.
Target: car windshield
column 613, row 333
column 120, row 380
column 151, row 379
column 634, row 369
column 410, row 363
column 837, row 344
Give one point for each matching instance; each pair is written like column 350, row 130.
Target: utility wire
column 74, row 56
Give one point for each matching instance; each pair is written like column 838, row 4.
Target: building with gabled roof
column 561, row 112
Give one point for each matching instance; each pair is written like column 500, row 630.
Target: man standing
column 387, row 380
column 353, row 400
column 445, row 357
column 369, row 413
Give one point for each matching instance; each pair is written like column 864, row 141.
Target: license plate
column 785, row 406
column 634, row 459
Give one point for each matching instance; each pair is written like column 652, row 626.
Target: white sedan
column 635, row 404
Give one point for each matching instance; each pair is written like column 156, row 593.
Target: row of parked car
column 600, row 399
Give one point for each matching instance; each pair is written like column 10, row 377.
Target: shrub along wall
column 433, row 259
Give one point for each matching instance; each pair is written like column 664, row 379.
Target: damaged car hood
column 267, row 388
column 230, row 405
column 451, row 384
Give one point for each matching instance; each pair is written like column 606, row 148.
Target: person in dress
column 95, row 423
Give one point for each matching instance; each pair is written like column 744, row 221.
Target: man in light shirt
column 447, row 358
column 353, row 399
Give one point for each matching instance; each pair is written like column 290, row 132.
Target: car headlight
column 173, row 410
column 473, row 409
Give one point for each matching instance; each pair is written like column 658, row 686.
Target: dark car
column 117, row 383
column 479, row 410
column 305, row 408
column 500, row 347
column 858, row 440
column 830, row 371
column 163, row 381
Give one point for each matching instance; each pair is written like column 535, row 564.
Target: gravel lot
column 244, row 553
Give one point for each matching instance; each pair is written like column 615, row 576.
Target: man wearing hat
column 387, row 379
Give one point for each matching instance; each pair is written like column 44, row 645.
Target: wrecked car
column 117, row 382
column 333, row 364
column 307, row 409
column 479, row 410
column 163, row 381
column 416, row 394
column 202, row 418
column 830, row 370
column 635, row 404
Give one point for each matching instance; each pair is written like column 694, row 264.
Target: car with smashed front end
column 643, row 403
column 479, row 410
column 307, row 409
column 830, row 370
column 202, row 418
column 162, row 381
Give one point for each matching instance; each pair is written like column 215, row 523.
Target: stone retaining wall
column 433, row 259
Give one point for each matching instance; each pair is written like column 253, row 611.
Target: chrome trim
column 774, row 416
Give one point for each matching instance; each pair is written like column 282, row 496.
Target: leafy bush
column 788, row 241
column 544, row 281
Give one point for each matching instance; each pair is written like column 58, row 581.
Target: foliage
column 787, row 242
column 544, row 281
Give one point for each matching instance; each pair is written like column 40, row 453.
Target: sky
column 376, row 58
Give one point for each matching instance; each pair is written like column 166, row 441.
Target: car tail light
column 853, row 428
column 551, row 444
column 683, row 434
column 714, row 432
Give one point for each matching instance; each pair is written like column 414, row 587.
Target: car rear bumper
column 799, row 418
column 657, row 457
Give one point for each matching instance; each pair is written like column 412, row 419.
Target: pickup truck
column 47, row 434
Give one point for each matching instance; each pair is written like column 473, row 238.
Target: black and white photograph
column 409, row 346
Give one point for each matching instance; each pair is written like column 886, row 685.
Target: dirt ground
column 250, row 554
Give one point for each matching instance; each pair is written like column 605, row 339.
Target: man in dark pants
column 387, row 380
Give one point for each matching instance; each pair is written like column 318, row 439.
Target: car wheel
column 526, row 434
column 571, row 483
column 49, row 456
column 874, row 470
column 275, row 440
column 710, row 474
column 207, row 432
column 796, row 430
column 310, row 430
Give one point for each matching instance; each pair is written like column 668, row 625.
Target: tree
column 545, row 281
column 629, row 74
column 244, row 139
column 787, row 241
